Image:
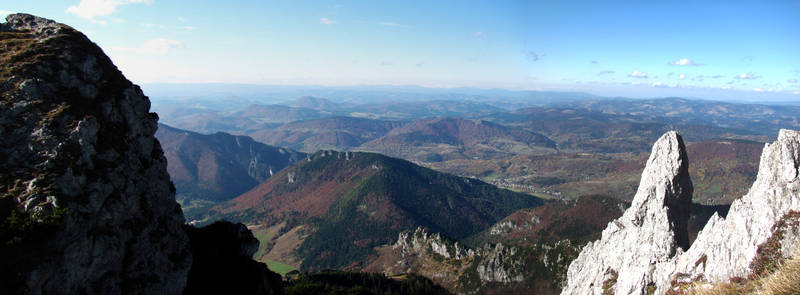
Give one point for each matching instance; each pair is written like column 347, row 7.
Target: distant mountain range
column 339, row 133
column 437, row 139
column 331, row 210
column 765, row 119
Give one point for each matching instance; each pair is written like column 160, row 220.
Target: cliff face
column 651, row 231
column 654, row 260
column 727, row 247
column 86, row 204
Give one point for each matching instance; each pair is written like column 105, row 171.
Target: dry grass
column 784, row 281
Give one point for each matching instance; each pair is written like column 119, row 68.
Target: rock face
column 763, row 220
column 219, row 166
column 727, row 247
column 86, row 203
column 223, row 265
column 653, row 230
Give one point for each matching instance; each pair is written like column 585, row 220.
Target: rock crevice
column 651, row 231
column 643, row 251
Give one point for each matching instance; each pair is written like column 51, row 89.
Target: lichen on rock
column 86, row 205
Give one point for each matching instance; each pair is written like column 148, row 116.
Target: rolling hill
column 331, row 210
column 339, row 133
column 220, row 166
column 437, row 139
column 722, row 170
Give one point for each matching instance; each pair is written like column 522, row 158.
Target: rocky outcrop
column 420, row 241
column 499, row 264
column 727, row 247
column 652, row 231
column 760, row 225
column 86, row 205
column 222, row 264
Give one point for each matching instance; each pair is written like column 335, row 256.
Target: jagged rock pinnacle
column 728, row 246
column 652, row 230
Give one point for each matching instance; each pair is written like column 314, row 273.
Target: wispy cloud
column 747, row 76
column 89, row 9
column 637, row 74
column 396, row 25
column 717, row 76
column 481, row 35
column 594, row 62
column 684, row 62
column 682, row 76
column 793, row 81
column 386, row 63
column 533, row 56
column 5, row 12
column 158, row 46
column 660, row 84
column 165, row 27
column 606, row 72
column 326, row 21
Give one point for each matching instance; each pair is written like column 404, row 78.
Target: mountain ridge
column 331, row 192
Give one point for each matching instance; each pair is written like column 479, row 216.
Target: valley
column 525, row 188
column 414, row 147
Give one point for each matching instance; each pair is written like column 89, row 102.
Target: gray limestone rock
column 82, row 171
column 651, row 231
column 640, row 252
column 728, row 246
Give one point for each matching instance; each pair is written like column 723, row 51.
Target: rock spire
column 651, row 231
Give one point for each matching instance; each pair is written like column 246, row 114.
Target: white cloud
column 747, row 76
column 181, row 19
column 793, row 81
column 89, row 9
column 158, row 46
column 684, row 62
column 152, row 25
column 660, row 84
column 326, row 21
column 481, row 35
column 391, row 24
column 637, row 74
column 5, row 12
column 682, row 76
column 606, row 72
column 796, row 92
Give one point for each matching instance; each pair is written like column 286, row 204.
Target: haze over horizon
column 738, row 51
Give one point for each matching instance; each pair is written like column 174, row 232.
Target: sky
column 724, row 50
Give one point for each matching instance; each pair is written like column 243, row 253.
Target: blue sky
column 709, row 49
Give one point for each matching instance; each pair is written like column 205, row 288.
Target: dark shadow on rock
column 223, row 265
